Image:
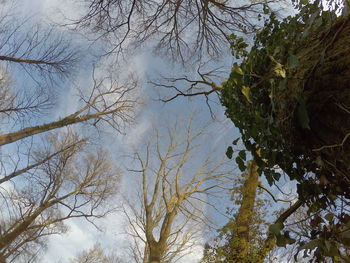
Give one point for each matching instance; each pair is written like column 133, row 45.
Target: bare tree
column 65, row 181
column 44, row 53
column 173, row 192
column 181, row 28
column 108, row 101
column 49, row 54
column 57, row 178
column 41, row 55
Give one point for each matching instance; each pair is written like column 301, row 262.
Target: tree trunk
column 323, row 78
column 27, row 132
column 155, row 253
column 240, row 242
column 8, row 238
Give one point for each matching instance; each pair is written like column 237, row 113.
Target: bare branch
column 182, row 28
column 107, row 102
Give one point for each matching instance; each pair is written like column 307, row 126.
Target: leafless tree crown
column 180, row 28
column 166, row 223
column 62, row 180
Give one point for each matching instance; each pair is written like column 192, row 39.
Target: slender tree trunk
column 28, row 61
column 26, row 132
column 240, row 242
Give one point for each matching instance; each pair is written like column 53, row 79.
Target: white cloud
column 63, row 247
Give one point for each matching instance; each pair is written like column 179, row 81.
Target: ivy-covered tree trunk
column 290, row 98
column 323, row 77
column 240, row 241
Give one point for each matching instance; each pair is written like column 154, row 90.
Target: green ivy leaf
column 229, row 152
column 276, row 228
column 278, row 68
column 269, row 177
column 276, row 176
column 281, row 241
column 266, row 10
column 242, row 154
column 237, row 69
column 241, row 164
column 280, row 71
column 235, row 141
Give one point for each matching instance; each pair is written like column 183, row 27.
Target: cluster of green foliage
column 257, row 98
column 266, row 101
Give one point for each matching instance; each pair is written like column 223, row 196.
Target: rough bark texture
column 323, row 77
column 240, row 242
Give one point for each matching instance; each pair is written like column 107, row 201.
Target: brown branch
column 272, row 196
column 333, row 145
column 28, row 61
column 15, row 136
column 19, row 172
column 270, row 241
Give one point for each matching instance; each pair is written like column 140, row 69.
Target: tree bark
column 323, row 79
column 240, row 242
column 156, row 251
column 27, row 132
column 28, row 61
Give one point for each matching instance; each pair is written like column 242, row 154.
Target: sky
column 82, row 235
